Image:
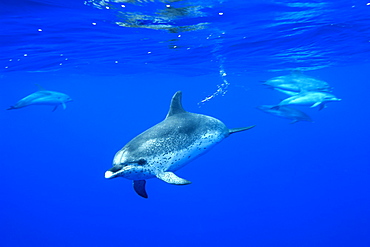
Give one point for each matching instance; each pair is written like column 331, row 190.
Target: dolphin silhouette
column 43, row 97
column 297, row 82
column 285, row 112
column 311, row 99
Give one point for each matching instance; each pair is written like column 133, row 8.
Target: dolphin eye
column 141, row 162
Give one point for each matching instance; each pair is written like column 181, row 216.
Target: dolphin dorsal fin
column 176, row 105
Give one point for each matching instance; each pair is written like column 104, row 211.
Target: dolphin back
column 176, row 108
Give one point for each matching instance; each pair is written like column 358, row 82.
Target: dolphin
column 312, row 99
column 43, row 97
column 285, row 112
column 297, row 82
column 168, row 146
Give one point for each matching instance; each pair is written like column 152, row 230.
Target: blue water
column 279, row 184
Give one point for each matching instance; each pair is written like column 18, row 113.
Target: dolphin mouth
column 109, row 174
column 116, row 171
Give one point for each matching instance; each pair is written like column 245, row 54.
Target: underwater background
column 278, row 184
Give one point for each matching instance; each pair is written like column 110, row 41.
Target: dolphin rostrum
column 168, row 146
column 43, row 97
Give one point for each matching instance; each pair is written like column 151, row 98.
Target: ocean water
column 278, row 184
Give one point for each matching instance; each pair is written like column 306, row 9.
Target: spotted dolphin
column 43, row 97
column 168, row 146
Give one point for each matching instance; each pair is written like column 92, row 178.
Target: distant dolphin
column 310, row 99
column 168, row 146
column 285, row 112
column 297, row 82
column 43, row 97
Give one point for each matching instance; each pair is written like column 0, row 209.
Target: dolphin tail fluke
column 231, row 131
column 139, row 187
column 172, row 178
column 11, row 108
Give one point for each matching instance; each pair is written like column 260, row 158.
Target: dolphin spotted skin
column 43, row 97
column 312, row 99
column 168, row 146
column 285, row 112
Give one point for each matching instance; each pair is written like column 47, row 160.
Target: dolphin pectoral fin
column 231, row 131
column 171, row 178
column 64, row 105
column 294, row 121
column 316, row 104
column 290, row 93
column 322, row 106
column 55, row 107
column 139, row 187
